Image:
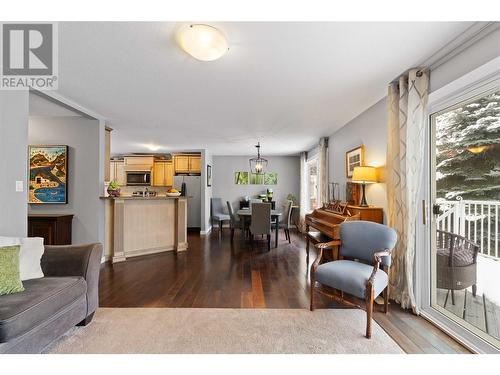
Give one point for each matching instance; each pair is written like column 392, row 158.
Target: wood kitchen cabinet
column 187, row 163
column 163, row 173
column 117, row 172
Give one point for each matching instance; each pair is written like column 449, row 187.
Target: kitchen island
column 145, row 225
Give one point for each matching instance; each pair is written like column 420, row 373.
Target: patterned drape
column 407, row 101
column 303, row 191
column 322, row 171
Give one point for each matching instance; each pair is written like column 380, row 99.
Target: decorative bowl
column 174, row 194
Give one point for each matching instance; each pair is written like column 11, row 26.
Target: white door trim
column 480, row 80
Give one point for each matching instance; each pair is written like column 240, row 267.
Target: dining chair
column 261, row 222
column 234, row 220
column 218, row 214
column 255, row 200
column 286, row 224
column 364, row 247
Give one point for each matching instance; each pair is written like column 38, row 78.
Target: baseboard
column 205, row 232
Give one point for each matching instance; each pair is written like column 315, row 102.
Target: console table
column 54, row 228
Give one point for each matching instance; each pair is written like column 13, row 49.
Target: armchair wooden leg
column 369, row 310
column 307, row 249
column 386, row 299
column 311, row 306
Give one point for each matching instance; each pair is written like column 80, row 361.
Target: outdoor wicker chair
column 456, row 263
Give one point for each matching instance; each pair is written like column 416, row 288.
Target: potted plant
column 269, row 195
column 113, row 189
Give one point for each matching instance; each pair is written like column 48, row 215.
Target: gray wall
column 14, row 108
column 206, row 192
column 370, row 127
column 223, row 168
column 84, row 184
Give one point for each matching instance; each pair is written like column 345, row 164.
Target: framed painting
column 48, row 171
column 256, row 179
column 354, row 158
column 209, row 175
column 271, row 178
column 241, row 178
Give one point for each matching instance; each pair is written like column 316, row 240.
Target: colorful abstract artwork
column 48, row 171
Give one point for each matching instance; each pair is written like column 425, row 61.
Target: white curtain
column 322, row 171
column 407, row 102
column 303, row 190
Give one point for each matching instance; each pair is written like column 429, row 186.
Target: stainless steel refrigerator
column 193, row 194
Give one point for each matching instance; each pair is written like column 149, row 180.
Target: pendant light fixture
column 258, row 165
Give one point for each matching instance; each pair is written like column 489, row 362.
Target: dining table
column 245, row 215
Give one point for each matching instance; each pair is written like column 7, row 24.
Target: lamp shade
column 203, row 42
column 364, row 175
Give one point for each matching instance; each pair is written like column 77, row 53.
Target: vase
column 114, row 192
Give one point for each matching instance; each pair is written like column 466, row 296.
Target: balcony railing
column 478, row 221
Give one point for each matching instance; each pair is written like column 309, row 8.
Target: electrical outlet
column 19, row 186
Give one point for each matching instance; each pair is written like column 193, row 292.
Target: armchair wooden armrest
column 328, row 245
column 377, row 258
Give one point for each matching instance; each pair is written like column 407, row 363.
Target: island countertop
column 145, row 225
column 158, row 197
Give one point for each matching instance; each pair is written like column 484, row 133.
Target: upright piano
column 323, row 224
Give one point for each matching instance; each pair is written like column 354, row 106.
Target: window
column 312, row 184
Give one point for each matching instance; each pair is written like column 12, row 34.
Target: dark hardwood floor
column 216, row 273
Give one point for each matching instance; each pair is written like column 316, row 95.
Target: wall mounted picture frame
column 354, row 158
column 47, row 175
column 271, row 178
column 256, row 179
column 241, row 178
column 209, row 175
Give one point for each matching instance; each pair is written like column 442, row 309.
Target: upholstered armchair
column 362, row 269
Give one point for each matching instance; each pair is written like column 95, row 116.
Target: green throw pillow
column 10, row 279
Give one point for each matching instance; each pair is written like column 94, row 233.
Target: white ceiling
column 42, row 107
column 285, row 84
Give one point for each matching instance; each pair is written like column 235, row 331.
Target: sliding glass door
column 464, row 259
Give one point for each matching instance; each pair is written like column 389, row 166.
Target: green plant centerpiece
column 269, row 195
column 113, row 189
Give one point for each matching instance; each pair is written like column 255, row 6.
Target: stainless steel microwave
column 138, row 178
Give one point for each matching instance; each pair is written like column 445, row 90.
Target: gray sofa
column 66, row 296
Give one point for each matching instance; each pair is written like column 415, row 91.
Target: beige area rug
column 183, row 330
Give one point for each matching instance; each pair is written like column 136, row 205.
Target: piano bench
column 315, row 238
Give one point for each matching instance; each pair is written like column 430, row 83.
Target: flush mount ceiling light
column 203, row 42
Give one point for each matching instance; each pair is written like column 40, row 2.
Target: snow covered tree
column 468, row 150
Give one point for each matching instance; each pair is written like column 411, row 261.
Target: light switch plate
column 19, row 186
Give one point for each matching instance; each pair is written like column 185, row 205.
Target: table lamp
column 363, row 176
